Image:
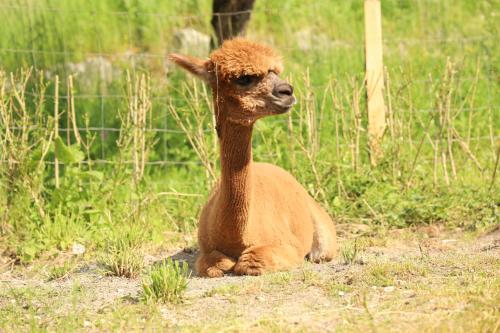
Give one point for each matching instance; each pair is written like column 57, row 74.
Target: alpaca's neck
column 236, row 162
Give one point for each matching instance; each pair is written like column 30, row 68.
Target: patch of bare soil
column 314, row 296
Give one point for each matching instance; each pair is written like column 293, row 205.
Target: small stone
column 164, row 312
column 149, row 259
column 78, row 249
column 341, row 293
column 389, row 289
column 409, row 293
column 86, row 323
column 260, row 298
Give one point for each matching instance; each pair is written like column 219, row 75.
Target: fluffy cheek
column 254, row 101
column 250, row 104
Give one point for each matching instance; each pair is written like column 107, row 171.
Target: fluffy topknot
column 239, row 57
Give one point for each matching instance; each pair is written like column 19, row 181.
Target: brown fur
column 258, row 218
column 239, row 57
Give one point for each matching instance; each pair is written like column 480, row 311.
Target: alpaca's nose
column 283, row 90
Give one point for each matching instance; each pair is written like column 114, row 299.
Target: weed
column 227, row 290
column 336, row 289
column 279, row 278
column 61, row 272
column 383, row 274
column 350, row 251
column 166, row 282
column 309, row 277
column 121, row 259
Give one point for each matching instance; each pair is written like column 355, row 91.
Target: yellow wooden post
column 56, row 128
column 374, row 78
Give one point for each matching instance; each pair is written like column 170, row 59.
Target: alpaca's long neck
column 236, row 167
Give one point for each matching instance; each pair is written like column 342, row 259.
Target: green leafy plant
column 166, row 282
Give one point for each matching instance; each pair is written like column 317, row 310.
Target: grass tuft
column 350, row 252
column 123, row 260
column 166, row 282
column 385, row 274
column 61, row 272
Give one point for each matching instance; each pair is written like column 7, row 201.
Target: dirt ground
column 424, row 279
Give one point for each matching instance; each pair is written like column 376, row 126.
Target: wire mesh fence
column 103, row 97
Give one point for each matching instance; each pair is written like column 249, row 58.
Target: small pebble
column 78, row 249
column 164, row 312
column 341, row 293
column 389, row 289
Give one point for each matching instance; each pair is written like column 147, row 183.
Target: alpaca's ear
column 195, row 66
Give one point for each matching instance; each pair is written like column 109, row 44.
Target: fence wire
column 103, row 96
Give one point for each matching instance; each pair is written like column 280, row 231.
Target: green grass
column 122, row 259
column 165, row 282
column 350, row 252
column 61, row 271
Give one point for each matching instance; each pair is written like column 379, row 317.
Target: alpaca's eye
column 245, row 80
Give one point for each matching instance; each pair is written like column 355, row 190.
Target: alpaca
column 258, row 218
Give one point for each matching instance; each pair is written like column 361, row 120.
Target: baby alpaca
column 258, row 218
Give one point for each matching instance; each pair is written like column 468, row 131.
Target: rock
column 389, row 289
column 192, row 42
column 308, row 39
column 78, row 249
column 89, row 74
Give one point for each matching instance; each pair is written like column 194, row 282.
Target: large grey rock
column 192, row 42
column 308, row 39
column 92, row 71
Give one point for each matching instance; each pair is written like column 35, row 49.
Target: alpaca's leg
column 214, row 264
column 256, row 260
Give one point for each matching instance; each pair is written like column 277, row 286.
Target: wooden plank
column 374, row 78
column 56, row 128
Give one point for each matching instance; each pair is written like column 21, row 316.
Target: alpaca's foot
column 256, row 260
column 214, row 264
column 253, row 261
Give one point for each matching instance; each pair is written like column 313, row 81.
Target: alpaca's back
column 295, row 210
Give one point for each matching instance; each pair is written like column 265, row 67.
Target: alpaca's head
column 244, row 77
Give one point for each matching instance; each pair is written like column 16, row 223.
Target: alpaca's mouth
column 283, row 105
